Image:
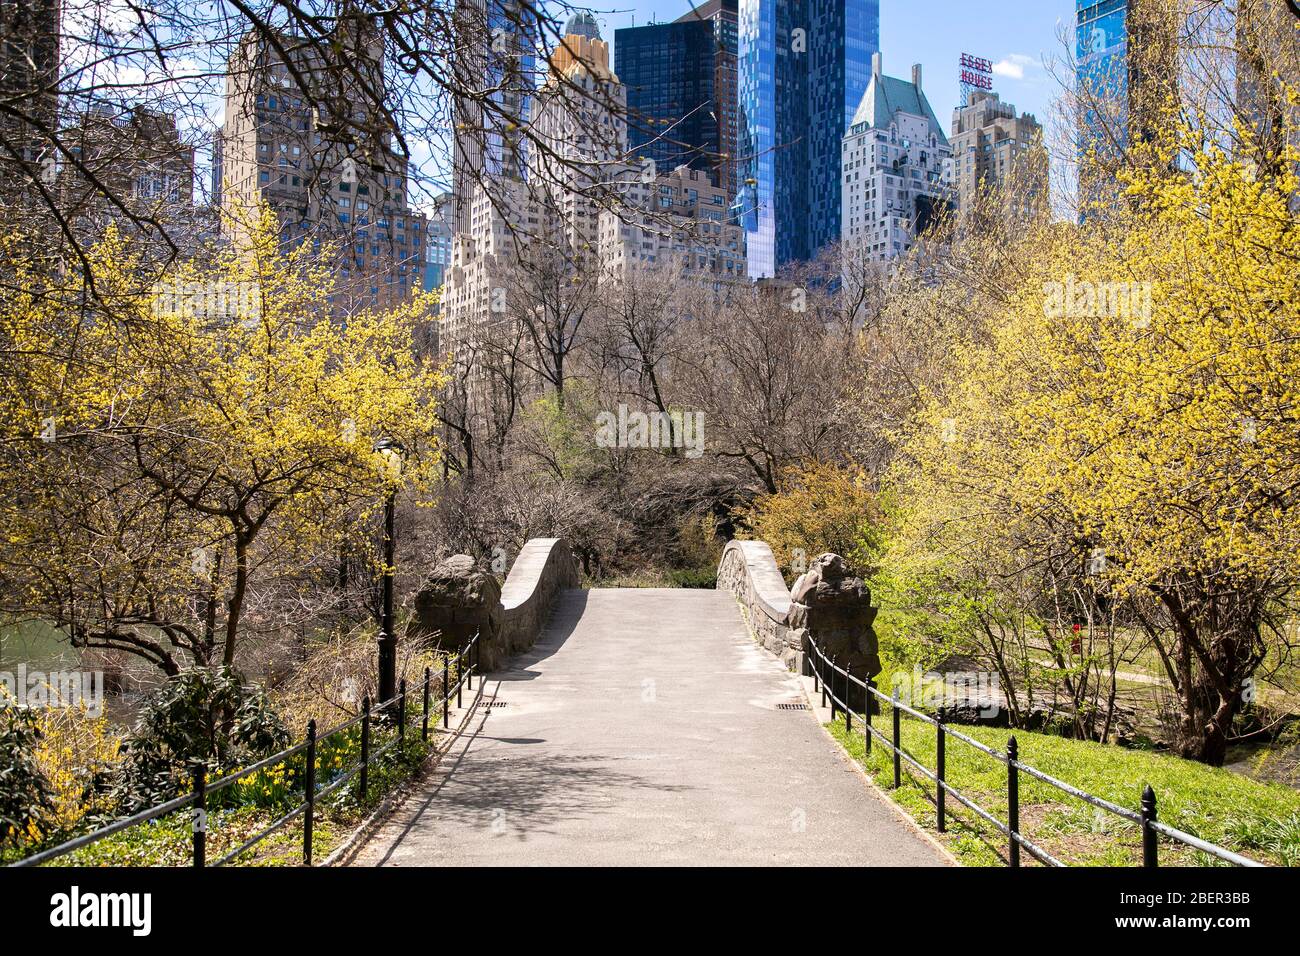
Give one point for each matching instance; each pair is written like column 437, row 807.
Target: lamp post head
column 392, row 451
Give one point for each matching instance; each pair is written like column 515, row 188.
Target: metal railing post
column 365, row 749
column 424, row 726
column 898, row 743
column 848, row 705
column 309, row 793
column 460, row 672
column 939, row 774
column 1150, row 848
column 401, row 712
column 1013, row 800
column 446, row 690
column 200, row 819
column 832, row 693
column 870, row 699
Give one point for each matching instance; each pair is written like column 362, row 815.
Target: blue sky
column 1017, row 35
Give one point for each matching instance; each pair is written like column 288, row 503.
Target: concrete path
column 642, row 729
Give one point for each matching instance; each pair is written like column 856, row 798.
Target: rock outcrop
column 456, row 601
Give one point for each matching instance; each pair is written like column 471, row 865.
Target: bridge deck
column 642, row 729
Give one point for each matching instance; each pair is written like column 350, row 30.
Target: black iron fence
column 836, row 684
column 457, row 675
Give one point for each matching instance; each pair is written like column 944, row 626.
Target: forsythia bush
column 820, row 507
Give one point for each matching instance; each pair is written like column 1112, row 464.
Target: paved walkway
column 642, row 729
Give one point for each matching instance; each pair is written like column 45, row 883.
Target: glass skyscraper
column 681, row 90
column 668, row 71
column 1101, row 38
column 803, row 67
column 1128, row 66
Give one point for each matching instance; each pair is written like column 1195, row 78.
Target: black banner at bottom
column 139, row 907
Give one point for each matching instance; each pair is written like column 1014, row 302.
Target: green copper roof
column 887, row 95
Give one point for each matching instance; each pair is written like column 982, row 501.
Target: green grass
column 1259, row 820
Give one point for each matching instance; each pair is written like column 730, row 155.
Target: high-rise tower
column 29, row 75
column 681, row 90
column 803, row 68
column 496, row 40
column 314, row 144
column 1127, row 76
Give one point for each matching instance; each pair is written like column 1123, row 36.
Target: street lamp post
column 392, row 453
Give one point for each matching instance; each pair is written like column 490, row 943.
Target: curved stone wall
column 545, row 567
column 829, row 604
column 749, row 571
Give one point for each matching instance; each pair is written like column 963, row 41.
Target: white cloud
column 1013, row 67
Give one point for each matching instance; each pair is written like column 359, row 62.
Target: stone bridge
column 646, row 726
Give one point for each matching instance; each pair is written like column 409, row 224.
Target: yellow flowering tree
column 185, row 446
column 1127, row 427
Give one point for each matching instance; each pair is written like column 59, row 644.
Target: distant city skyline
column 1016, row 35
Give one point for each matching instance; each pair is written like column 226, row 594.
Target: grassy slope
column 1257, row 819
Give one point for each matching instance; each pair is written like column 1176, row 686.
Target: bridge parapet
column 829, row 604
column 458, row 600
column 544, row 568
column 748, row 570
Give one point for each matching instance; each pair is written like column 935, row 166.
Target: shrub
column 203, row 716
column 820, row 507
column 76, row 754
column 26, row 804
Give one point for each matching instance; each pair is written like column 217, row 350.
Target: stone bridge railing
column 544, row 568
column 458, row 600
column 749, row 571
column 829, row 604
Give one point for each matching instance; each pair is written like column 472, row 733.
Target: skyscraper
column 994, row 149
column 437, row 242
column 1101, row 38
column 578, row 119
column 1127, row 70
column 1268, row 59
column 580, row 116
column 681, row 90
column 322, row 158
column 804, row 66
column 494, row 55
column 29, row 76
